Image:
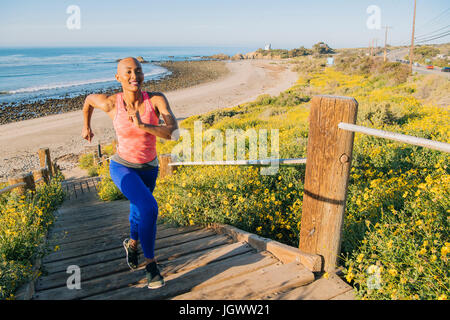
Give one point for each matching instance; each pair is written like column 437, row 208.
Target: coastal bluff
column 250, row 55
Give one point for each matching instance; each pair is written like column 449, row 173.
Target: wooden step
column 122, row 279
column 183, row 282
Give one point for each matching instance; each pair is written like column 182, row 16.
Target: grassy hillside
column 396, row 225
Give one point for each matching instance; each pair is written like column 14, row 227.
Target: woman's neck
column 132, row 98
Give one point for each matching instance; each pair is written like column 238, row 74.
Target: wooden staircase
column 198, row 263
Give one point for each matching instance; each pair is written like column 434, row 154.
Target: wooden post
column 44, row 153
column 329, row 155
column 99, row 151
column 46, row 175
column 41, row 173
column 164, row 168
column 24, row 177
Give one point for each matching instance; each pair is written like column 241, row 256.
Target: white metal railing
column 436, row 145
column 263, row 162
column 427, row 143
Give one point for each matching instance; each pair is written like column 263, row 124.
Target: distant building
column 268, row 47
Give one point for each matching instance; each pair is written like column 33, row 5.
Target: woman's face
column 129, row 74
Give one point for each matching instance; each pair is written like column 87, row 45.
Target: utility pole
column 371, row 48
column 411, row 50
column 385, row 42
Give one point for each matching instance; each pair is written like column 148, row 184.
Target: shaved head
column 128, row 62
column 129, row 73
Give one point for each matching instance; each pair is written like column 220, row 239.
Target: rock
column 141, row 60
column 220, row 56
column 237, row 56
column 250, row 55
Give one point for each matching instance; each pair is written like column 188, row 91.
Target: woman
column 134, row 167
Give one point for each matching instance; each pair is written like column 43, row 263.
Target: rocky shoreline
column 20, row 140
column 183, row 74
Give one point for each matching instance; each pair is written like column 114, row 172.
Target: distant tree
column 426, row 51
column 302, row 51
column 322, row 48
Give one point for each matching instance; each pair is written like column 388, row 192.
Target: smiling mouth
column 134, row 83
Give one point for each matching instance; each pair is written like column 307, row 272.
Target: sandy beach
column 247, row 79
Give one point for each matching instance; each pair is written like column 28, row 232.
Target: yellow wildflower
column 360, row 258
column 392, row 272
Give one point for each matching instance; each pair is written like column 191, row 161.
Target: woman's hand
column 87, row 133
column 133, row 116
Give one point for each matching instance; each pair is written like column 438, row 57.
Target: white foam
column 157, row 71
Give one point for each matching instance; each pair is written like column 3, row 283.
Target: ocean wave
column 67, row 59
column 157, row 71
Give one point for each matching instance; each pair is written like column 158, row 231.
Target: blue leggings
column 137, row 186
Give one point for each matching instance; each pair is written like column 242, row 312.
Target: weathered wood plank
column 62, row 237
column 116, row 242
column 183, row 282
column 66, row 236
column 349, row 295
column 106, row 215
column 98, row 285
column 254, row 285
column 120, row 233
column 321, row 289
column 68, row 211
column 284, row 253
column 214, row 249
column 197, row 259
column 75, row 202
column 92, row 224
column 92, row 215
column 174, row 248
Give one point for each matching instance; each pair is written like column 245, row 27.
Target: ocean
column 29, row 74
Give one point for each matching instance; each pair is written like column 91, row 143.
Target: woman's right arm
column 99, row 101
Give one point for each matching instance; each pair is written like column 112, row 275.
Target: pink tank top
column 134, row 144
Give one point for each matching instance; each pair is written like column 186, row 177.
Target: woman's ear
column 117, row 77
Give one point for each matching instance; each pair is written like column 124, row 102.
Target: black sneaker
column 154, row 279
column 132, row 255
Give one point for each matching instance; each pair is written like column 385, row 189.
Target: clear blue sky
column 283, row 23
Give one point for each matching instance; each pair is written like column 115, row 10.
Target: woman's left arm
column 169, row 130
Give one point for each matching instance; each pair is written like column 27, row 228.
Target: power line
column 433, row 20
column 432, row 36
column 427, row 34
column 435, row 38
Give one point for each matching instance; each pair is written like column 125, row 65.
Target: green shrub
column 107, row 190
column 24, row 221
column 86, row 161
